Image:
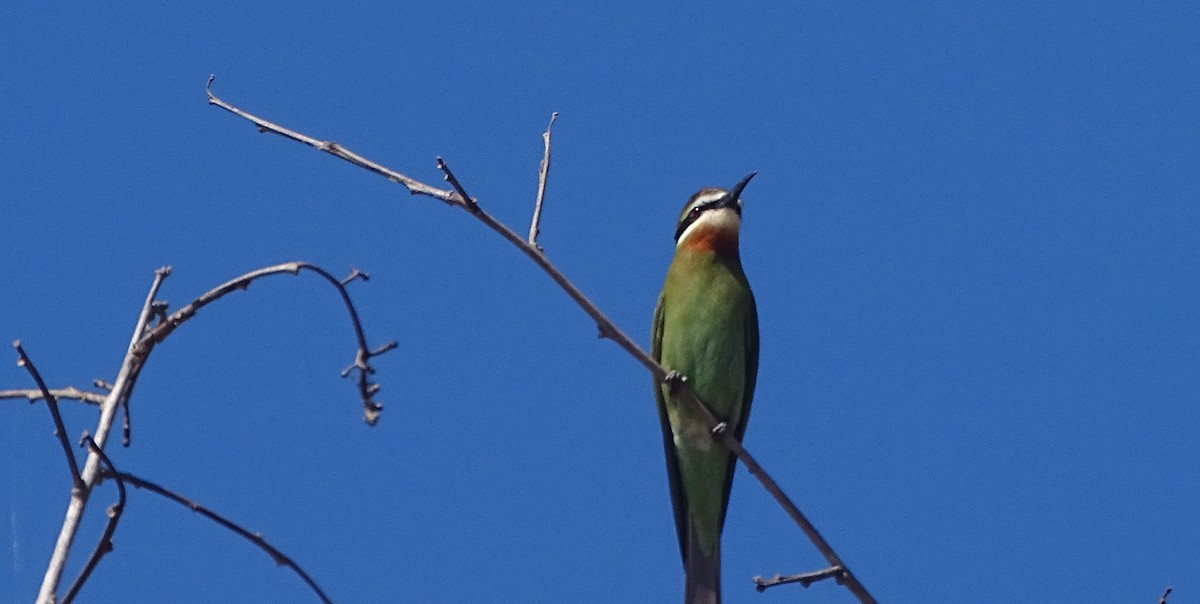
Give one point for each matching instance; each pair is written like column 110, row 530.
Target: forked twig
column 280, row 558
column 105, row 544
column 142, row 343
column 606, row 327
column 130, row 367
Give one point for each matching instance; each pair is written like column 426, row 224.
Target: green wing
column 678, row 501
column 750, row 329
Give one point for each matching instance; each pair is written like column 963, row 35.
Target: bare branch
column 543, row 174
column 804, row 579
column 278, row 557
column 60, row 430
column 141, row 344
column 332, row 148
column 371, row 408
column 114, row 517
column 607, row 328
column 130, row 367
column 1163, row 599
column 69, row 393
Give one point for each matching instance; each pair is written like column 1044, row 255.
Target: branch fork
column 152, row 327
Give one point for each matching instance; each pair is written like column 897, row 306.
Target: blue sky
column 973, row 241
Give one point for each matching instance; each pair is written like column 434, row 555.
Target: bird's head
column 711, row 219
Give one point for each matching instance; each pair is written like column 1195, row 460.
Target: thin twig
column 60, row 430
column 69, row 393
column 280, row 558
column 804, row 579
column 606, row 327
column 543, row 174
column 1163, row 599
column 363, row 356
column 130, row 367
column 331, row 148
column 105, row 544
column 468, row 201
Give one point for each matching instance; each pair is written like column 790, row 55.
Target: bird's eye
column 695, row 212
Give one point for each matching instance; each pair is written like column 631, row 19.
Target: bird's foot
column 674, row 381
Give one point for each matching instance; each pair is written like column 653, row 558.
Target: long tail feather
column 703, row 581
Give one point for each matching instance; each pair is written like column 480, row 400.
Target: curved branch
column 280, row 558
column 608, row 329
column 60, row 430
column 114, row 517
column 367, row 389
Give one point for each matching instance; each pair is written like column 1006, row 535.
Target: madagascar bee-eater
column 705, row 328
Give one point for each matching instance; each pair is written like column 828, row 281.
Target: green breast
column 706, row 305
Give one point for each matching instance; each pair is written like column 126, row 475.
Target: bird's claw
column 674, row 381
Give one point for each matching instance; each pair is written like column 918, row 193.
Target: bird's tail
column 703, row 571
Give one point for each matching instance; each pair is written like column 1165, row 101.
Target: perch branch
column 607, row 328
column 278, row 557
column 60, row 430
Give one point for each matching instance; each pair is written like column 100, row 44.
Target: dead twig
column 60, row 430
column 115, row 510
column 69, row 393
column 278, row 557
column 804, row 579
column 362, row 358
column 121, row 389
column 543, row 174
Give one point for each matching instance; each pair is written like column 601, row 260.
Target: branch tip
column 467, row 201
column 60, row 429
column 804, row 579
column 355, row 274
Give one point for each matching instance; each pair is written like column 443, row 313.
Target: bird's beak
column 731, row 198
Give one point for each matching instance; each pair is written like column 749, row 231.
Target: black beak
column 731, row 198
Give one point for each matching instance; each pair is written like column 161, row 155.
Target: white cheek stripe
column 724, row 219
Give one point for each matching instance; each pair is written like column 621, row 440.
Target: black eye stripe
column 694, row 214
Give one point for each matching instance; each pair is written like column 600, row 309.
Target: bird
column 705, row 328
